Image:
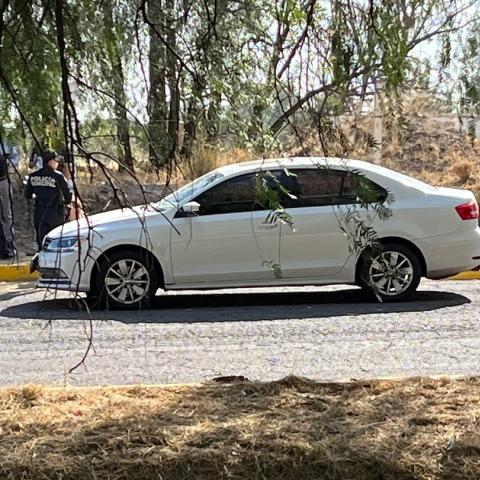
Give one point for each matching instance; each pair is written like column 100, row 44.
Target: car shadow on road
column 12, row 290
column 234, row 307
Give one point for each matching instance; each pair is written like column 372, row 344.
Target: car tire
column 126, row 280
column 390, row 272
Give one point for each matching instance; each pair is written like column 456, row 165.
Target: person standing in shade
column 52, row 195
column 35, row 161
column 8, row 155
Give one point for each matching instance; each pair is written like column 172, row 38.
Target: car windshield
column 190, row 190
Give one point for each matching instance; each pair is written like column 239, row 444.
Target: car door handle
column 267, row 226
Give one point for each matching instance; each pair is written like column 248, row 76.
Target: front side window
column 231, row 196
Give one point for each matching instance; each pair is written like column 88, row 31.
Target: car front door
column 220, row 244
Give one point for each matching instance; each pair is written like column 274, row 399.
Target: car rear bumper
column 459, row 254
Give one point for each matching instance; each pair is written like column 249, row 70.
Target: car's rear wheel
column 126, row 280
column 391, row 272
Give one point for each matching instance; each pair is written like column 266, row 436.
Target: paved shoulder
column 323, row 333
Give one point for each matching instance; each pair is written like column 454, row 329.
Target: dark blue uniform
column 52, row 195
column 6, row 239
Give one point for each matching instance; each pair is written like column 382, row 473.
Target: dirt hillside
column 428, row 146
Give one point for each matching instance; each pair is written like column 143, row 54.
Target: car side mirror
column 191, row 208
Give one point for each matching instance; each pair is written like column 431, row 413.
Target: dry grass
column 460, row 170
column 205, row 158
column 291, row 429
column 463, row 170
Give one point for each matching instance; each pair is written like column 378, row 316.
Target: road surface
column 327, row 333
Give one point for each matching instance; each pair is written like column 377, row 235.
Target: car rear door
column 325, row 205
column 315, row 245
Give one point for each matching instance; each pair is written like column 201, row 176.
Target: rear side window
column 316, row 187
column 359, row 189
column 319, row 187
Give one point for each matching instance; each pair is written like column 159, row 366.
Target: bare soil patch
column 289, row 429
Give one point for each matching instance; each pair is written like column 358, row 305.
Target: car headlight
column 62, row 244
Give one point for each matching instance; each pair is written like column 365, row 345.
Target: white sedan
column 295, row 221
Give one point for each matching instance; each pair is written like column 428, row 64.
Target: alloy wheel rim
column 127, row 281
column 391, row 273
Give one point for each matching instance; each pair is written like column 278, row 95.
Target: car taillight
column 468, row 211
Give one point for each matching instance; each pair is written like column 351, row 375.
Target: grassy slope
column 291, row 429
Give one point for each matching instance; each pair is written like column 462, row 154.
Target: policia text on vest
column 52, row 195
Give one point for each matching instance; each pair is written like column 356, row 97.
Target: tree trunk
column 172, row 81
column 123, row 131
column 124, row 150
column 157, row 103
column 213, row 118
column 191, row 121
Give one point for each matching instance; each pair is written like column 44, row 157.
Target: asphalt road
column 324, row 333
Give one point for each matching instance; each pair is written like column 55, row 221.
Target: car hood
column 133, row 215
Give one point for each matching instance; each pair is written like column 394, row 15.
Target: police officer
column 8, row 155
column 51, row 196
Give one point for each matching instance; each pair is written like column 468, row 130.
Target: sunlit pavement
column 324, row 333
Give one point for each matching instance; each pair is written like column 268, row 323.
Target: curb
column 17, row 273
column 466, row 276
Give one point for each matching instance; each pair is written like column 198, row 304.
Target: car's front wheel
column 392, row 272
column 126, row 280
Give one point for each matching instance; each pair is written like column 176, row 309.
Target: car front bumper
column 63, row 271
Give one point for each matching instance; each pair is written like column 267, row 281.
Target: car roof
column 293, row 162
column 372, row 170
